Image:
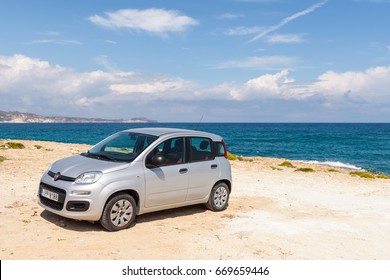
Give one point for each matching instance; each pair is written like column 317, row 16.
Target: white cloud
column 260, row 62
column 274, row 86
column 104, row 61
column 152, row 87
column 244, row 30
column 270, row 83
column 37, row 86
column 285, row 38
column 25, row 79
column 230, row 16
column 54, row 42
column 157, row 21
column 21, row 76
column 50, row 33
column 52, row 37
column 287, row 20
column 370, row 86
column 373, row 83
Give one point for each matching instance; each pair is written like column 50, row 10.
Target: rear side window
column 172, row 149
column 201, row 149
column 220, row 149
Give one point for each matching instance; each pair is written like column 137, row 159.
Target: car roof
column 165, row 131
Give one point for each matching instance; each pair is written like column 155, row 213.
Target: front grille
column 57, row 205
column 61, row 177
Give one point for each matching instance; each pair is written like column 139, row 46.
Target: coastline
column 363, row 145
column 275, row 212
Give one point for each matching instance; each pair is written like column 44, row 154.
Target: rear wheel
column 119, row 212
column 219, row 197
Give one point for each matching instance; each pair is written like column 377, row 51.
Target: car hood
column 75, row 165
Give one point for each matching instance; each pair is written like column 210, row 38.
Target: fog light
column 77, row 206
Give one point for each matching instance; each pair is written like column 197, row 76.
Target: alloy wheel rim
column 121, row 213
column 220, row 197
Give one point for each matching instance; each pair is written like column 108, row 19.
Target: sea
column 350, row 145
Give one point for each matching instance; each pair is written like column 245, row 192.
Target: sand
column 274, row 213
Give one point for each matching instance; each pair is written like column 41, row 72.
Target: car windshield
column 122, row 146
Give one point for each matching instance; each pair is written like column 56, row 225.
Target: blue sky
column 179, row 60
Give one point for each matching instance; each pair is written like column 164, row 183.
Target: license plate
column 49, row 195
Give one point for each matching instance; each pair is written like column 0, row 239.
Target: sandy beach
column 275, row 212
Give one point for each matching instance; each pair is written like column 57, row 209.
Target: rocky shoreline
column 19, row 117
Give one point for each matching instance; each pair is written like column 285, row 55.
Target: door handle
column 183, row 170
column 214, row 166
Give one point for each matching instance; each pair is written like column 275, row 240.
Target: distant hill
column 18, row 117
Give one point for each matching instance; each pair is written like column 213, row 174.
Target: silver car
column 138, row 171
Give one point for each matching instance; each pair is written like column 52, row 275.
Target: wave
column 334, row 164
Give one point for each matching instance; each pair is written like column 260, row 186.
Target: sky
column 186, row 60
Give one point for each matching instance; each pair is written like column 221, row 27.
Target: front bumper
column 64, row 200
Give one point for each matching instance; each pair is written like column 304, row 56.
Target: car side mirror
column 158, row 160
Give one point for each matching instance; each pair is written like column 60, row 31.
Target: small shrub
column 276, row 168
column 382, row 176
column 287, row 164
column 333, row 170
column 231, row 156
column 15, row 145
column 236, row 157
column 38, row 147
column 305, row 169
column 363, row 174
column 2, row 158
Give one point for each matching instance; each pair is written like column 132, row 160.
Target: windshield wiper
column 99, row 156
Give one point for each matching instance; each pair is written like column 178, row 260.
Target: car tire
column 119, row 212
column 219, row 197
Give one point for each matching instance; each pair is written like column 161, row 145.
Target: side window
column 220, row 150
column 201, row 149
column 172, row 151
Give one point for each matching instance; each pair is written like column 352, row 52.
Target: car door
column 204, row 168
column 167, row 183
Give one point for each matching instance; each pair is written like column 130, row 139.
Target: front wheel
column 219, row 197
column 119, row 212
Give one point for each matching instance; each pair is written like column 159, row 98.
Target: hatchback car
column 138, row 171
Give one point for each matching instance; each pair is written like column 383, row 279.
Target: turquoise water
column 364, row 146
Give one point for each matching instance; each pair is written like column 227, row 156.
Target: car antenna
column 201, row 118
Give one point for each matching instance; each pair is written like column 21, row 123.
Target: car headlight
column 89, row 177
